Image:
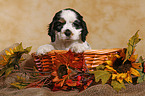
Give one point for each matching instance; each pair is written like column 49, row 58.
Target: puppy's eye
column 58, row 24
column 77, row 24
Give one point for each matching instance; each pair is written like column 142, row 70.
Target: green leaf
column 141, row 78
column 28, row 49
column 100, row 67
column 117, row 86
column 8, row 71
column 19, row 48
column 142, row 75
column 131, row 45
column 141, row 60
column 101, row 75
column 2, row 71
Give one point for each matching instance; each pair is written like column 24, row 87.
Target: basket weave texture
column 92, row 58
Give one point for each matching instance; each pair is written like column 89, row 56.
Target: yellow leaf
column 14, row 49
column 4, row 57
column 116, row 55
column 121, row 76
column 2, row 62
column 11, row 51
column 128, row 78
column 120, row 79
column 134, row 72
column 136, row 65
column 22, row 59
column 114, row 76
column 19, row 85
column 7, row 52
column 111, row 68
column 133, row 58
column 20, row 78
column 8, row 71
column 109, row 62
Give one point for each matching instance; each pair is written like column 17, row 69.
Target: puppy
column 67, row 31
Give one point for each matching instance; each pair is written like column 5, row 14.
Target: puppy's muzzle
column 68, row 32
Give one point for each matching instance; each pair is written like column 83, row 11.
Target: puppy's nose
column 67, row 32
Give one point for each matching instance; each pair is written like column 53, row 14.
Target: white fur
column 69, row 17
column 63, row 42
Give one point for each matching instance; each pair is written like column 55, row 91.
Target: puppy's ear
column 51, row 31
column 84, row 31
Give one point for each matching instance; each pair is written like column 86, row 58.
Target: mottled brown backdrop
column 110, row 22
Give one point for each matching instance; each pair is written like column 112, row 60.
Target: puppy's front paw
column 78, row 48
column 44, row 49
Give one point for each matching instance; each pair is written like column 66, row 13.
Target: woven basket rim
column 92, row 51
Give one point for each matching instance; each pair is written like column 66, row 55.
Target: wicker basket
column 92, row 58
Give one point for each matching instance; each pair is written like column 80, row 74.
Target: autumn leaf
column 141, row 60
column 12, row 59
column 8, row 71
column 28, row 49
column 62, row 59
column 101, row 75
column 136, row 65
column 88, row 84
column 134, row 72
column 141, row 78
column 56, row 79
column 100, row 67
column 4, row 61
column 19, row 85
column 142, row 74
column 131, row 45
column 117, row 86
column 71, row 83
column 21, row 79
column 70, row 56
column 2, row 71
column 19, row 48
column 66, row 59
column 21, row 82
column 108, row 68
column 7, row 52
column 119, row 77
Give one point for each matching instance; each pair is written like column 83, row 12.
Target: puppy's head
column 67, row 24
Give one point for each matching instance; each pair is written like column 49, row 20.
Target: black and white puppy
column 68, row 31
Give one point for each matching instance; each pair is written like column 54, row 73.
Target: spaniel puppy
column 67, row 31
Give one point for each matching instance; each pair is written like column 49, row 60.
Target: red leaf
column 79, row 78
column 70, row 82
column 78, row 83
column 55, row 88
